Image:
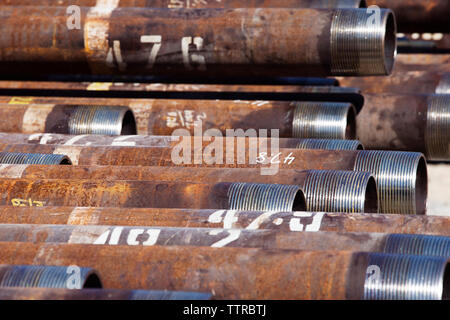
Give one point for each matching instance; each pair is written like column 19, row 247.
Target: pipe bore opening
column 93, row 282
column 421, row 186
column 350, row 131
column 65, row 161
column 360, row 147
column 128, row 124
column 362, row 4
column 299, row 201
column 390, row 42
column 371, row 196
column 446, row 287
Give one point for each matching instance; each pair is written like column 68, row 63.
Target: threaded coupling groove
column 106, row 120
column 363, row 42
column 437, row 136
column 328, row 144
column 340, row 191
column 169, row 295
column 418, row 244
column 401, row 179
column 444, row 85
column 48, row 277
column 33, row 158
column 324, row 120
column 406, row 277
column 265, row 197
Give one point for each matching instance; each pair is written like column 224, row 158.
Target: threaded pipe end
column 33, row 158
column 437, row 136
column 418, row 244
column 324, row 120
column 328, row 144
column 406, row 277
column 106, row 120
column 363, row 42
column 340, row 191
column 265, row 197
column 401, row 179
column 49, row 277
column 444, row 85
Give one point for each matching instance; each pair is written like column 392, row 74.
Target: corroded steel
column 245, row 41
column 97, row 294
column 235, row 273
column 251, row 220
column 181, row 117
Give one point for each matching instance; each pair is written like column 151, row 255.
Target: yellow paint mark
column 26, row 203
column 99, row 86
column 20, row 100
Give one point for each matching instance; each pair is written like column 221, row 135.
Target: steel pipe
column 251, row 220
column 33, row 158
column 197, row 42
column 422, row 62
column 217, row 238
column 97, row 294
column 401, row 176
column 290, row 119
column 171, row 141
column 407, row 122
column 412, row 82
column 64, row 277
column 177, row 4
column 152, row 194
column 418, row 15
column 242, row 273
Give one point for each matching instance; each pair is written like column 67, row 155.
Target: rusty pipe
column 412, row 82
column 64, row 277
column 418, row 15
column 109, row 120
column 412, row 244
column 329, row 191
column 422, row 62
column 33, row 158
column 401, row 176
column 177, row 4
column 197, row 42
column 243, row 273
column 97, row 294
column 407, row 122
column 323, row 120
column 153, row 194
column 171, row 141
column 250, row 220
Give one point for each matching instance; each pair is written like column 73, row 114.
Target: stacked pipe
column 164, row 138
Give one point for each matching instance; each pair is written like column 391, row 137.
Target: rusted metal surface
column 422, row 62
column 418, row 15
column 171, row 141
column 412, row 82
column 416, row 244
column 97, row 294
column 48, row 277
column 330, row 191
column 181, row 117
column 238, row 273
column 178, row 4
column 251, row 220
column 401, row 176
column 197, row 42
column 152, row 194
column 406, row 122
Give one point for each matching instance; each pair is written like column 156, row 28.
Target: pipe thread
column 106, row 120
column 328, row 144
column 363, row 42
column 396, row 176
column 265, row 197
column 169, row 295
column 418, row 244
column 321, row 120
column 437, row 137
column 405, row 277
column 33, row 158
column 45, row 277
column 336, row 191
